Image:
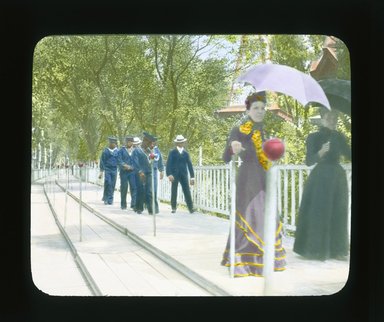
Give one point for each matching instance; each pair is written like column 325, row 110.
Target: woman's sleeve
column 227, row 155
column 312, row 156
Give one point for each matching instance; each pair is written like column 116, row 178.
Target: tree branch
column 191, row 59
column 156, row 60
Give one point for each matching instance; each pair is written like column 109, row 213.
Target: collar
column 129, row 150
column 180, row 149
column 257, row 125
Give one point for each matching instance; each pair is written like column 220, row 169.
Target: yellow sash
column 246, row 128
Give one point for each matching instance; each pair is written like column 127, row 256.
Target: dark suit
column 178, row 165
column 144, row 189
column 126, row 176
column 108, row 164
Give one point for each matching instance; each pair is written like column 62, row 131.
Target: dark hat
column 129, row 138
column 255, row 97
column 112, row 139
column 149, row 137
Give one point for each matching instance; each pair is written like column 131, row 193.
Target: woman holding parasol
column 246, row 140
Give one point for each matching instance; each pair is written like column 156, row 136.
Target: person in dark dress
column 246, row 140
column 127, row 174
column 108, row 166
column 177, row 167
column 322, row 224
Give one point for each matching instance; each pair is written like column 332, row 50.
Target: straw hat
column 179, row 139
column 136, row 140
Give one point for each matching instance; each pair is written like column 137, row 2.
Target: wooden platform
column 198, row 240
column 53, row 269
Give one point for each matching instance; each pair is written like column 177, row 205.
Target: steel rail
column 170, row 261
column 82, row 267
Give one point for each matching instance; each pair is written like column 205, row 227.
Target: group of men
column 137, row 161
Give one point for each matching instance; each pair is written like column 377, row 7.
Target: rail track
column 170, row 271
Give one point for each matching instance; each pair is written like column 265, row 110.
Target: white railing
column 90, row 173
column 290, row 185
column 210, row 192
column 37, row 174
column 212, row 188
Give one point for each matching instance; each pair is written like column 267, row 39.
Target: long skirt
column 249, row 229
column 322, row 223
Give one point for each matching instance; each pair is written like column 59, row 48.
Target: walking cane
column 66, row 196
column 151, row 158
column 233, row 216
column 80, row 204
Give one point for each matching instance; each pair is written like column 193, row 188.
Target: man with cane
column 141, row 156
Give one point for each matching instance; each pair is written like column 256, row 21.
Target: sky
column 225, row 52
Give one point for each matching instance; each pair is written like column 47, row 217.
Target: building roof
column 326, row 65
column 239, row 109
column 232, row 109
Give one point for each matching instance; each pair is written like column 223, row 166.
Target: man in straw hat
column 177, row 167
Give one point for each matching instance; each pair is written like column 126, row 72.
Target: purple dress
column 250, row 196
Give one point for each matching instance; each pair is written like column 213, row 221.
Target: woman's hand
column 237, row 147
column 171, row 178
column 324, row 149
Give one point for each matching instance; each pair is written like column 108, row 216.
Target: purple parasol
column 286, row 80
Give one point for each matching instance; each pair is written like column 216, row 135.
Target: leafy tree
column 88, row 87
column 92, row 86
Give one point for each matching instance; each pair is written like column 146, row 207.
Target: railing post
column 270, row 228
column 233, row 216
column 285, row 196
column 153, row 198
column 293, row 198
column 80, row 206
column 66, row 197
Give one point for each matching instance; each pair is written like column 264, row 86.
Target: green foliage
column 86, row 88
column 344, row 64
